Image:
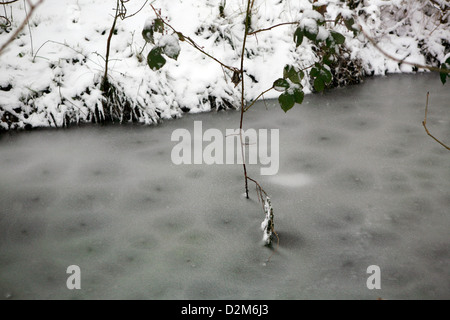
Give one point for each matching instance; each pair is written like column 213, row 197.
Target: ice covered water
column 360, row 183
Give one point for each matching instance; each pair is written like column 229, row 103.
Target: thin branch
column 246, row 29
column 193, row 44
column 254, row 101
column 108, row 46
column 126, row 17
column 66, row 45
column 401, row 61
column 424, row 123
column 272, row 27
column 8, row 2
column 22, row 25
column 29, row 28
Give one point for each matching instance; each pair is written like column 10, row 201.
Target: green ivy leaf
column 338, row 38
column 328, row 59
column 326, row 75
column 444, row 75
column 329, row 42
column 180, row 36
column 301, row 74
column 349, row 24
column 287, row 101
column 298, row 95
column 290, row 73
column 155, row 60
column 158, row 25
column 287, row 71
column 319, row 84
column 311, row 34
column 147, row 34
column 314, row 72
column 280, row 85
column 298, row 37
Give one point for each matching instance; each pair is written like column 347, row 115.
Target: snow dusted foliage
column 51, row 73
column 267, row 226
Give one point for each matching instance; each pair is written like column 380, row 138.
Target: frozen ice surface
column 372, row 189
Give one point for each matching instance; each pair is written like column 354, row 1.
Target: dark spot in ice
column 147, row 199
column 87, row 199
column 395, row 177
column 354, row 180
column 171, row 223
column 203, row 289
column 348, row 264
column 380, row 238
column 421, row 174
column 410, row 211
column 436, row 254
column 395, row 152
column 195, row 174
column 325, row 138
column 428, row 162
column 437, row 257
column 78, row 224
column 396, row 182
column 407, row 130
column 339, row 217
column 310, row 163
column 291, row 240
column 226, row 221
column 360, row 124
column 144, row 241
column 399, row 277
column 445, row 200
column 419, row 206
column 23, row 231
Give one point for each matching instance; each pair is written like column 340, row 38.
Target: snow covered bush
column 60, row 83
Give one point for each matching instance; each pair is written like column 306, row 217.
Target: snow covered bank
column 51, row 74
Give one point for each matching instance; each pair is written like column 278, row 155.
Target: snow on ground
column 51, row 74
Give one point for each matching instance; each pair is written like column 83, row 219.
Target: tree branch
column 400, row 61
column 272, row 27
column 8, row 2
column 254, row 101
column 424, row 123
column 22, row 25
column 193, row 44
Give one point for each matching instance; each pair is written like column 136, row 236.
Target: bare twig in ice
column 424, row 122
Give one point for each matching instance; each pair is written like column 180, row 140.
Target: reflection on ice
column 293, row 180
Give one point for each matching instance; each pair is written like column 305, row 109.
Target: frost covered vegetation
column 52, row 74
